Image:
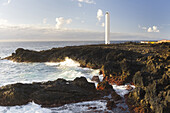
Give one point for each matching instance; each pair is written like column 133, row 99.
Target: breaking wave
column 12, row 72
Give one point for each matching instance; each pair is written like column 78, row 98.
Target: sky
column 83, row 20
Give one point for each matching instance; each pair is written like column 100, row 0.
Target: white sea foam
column 71, row 69
column 68, row 108
column 29, row 108
column 69, row 62
column 82, row 107
column 12, row 72
column 121, row 90
column 52, row 64
column 6, row 61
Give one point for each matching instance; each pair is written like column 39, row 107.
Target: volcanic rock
column 49, row 94
column 146, row 65
column 96, row 79
column 104, row 85
column 110, row 105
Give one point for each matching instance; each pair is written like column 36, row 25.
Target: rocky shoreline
column 51, row 93
column 144, row 65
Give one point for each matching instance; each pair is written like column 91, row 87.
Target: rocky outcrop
column 116, row 64
column 152, row 92
column 144, row 65
column 104, row 85
column 110, row 105
column 95, row 79
column 49, row 94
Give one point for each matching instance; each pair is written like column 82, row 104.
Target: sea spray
column 13, row 72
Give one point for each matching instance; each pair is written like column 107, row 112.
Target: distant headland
column 155, row 42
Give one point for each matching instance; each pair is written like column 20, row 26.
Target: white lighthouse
column 107, row 28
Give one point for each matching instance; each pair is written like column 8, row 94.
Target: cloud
column 149, row 29
column 144, row 28
column 99, row 14
column 79, row 4
column 68, row 21
column 99, row 18
column 84, row 1
column 27, row 32
column 87, row 1
column 61, row 21
column 103, row 24
column 7, row 2
column 153, row 29
column 44, row 21
column 3, row 21
column 46, row 32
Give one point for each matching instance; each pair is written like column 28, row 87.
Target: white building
column 107, row 28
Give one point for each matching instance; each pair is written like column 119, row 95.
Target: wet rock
column 82, row 82
column 22, row 55
column 129, row 88
column 138, row 93
column 49, row 94
column 96, row 79
column 104, row 85
column 16, row 94
column 123, row 109
column 138, row 79
column 92, row 107
column 115, row 96
column 110, row 105
column 141, row 110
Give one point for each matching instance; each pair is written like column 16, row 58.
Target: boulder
column 115, row 96
column 110, row 105
column 95, row 79
column 104, row 85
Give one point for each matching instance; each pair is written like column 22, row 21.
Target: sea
column 13, row 72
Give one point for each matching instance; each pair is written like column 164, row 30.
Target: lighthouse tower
column 107, row 28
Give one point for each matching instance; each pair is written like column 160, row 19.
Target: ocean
column 12, row 72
